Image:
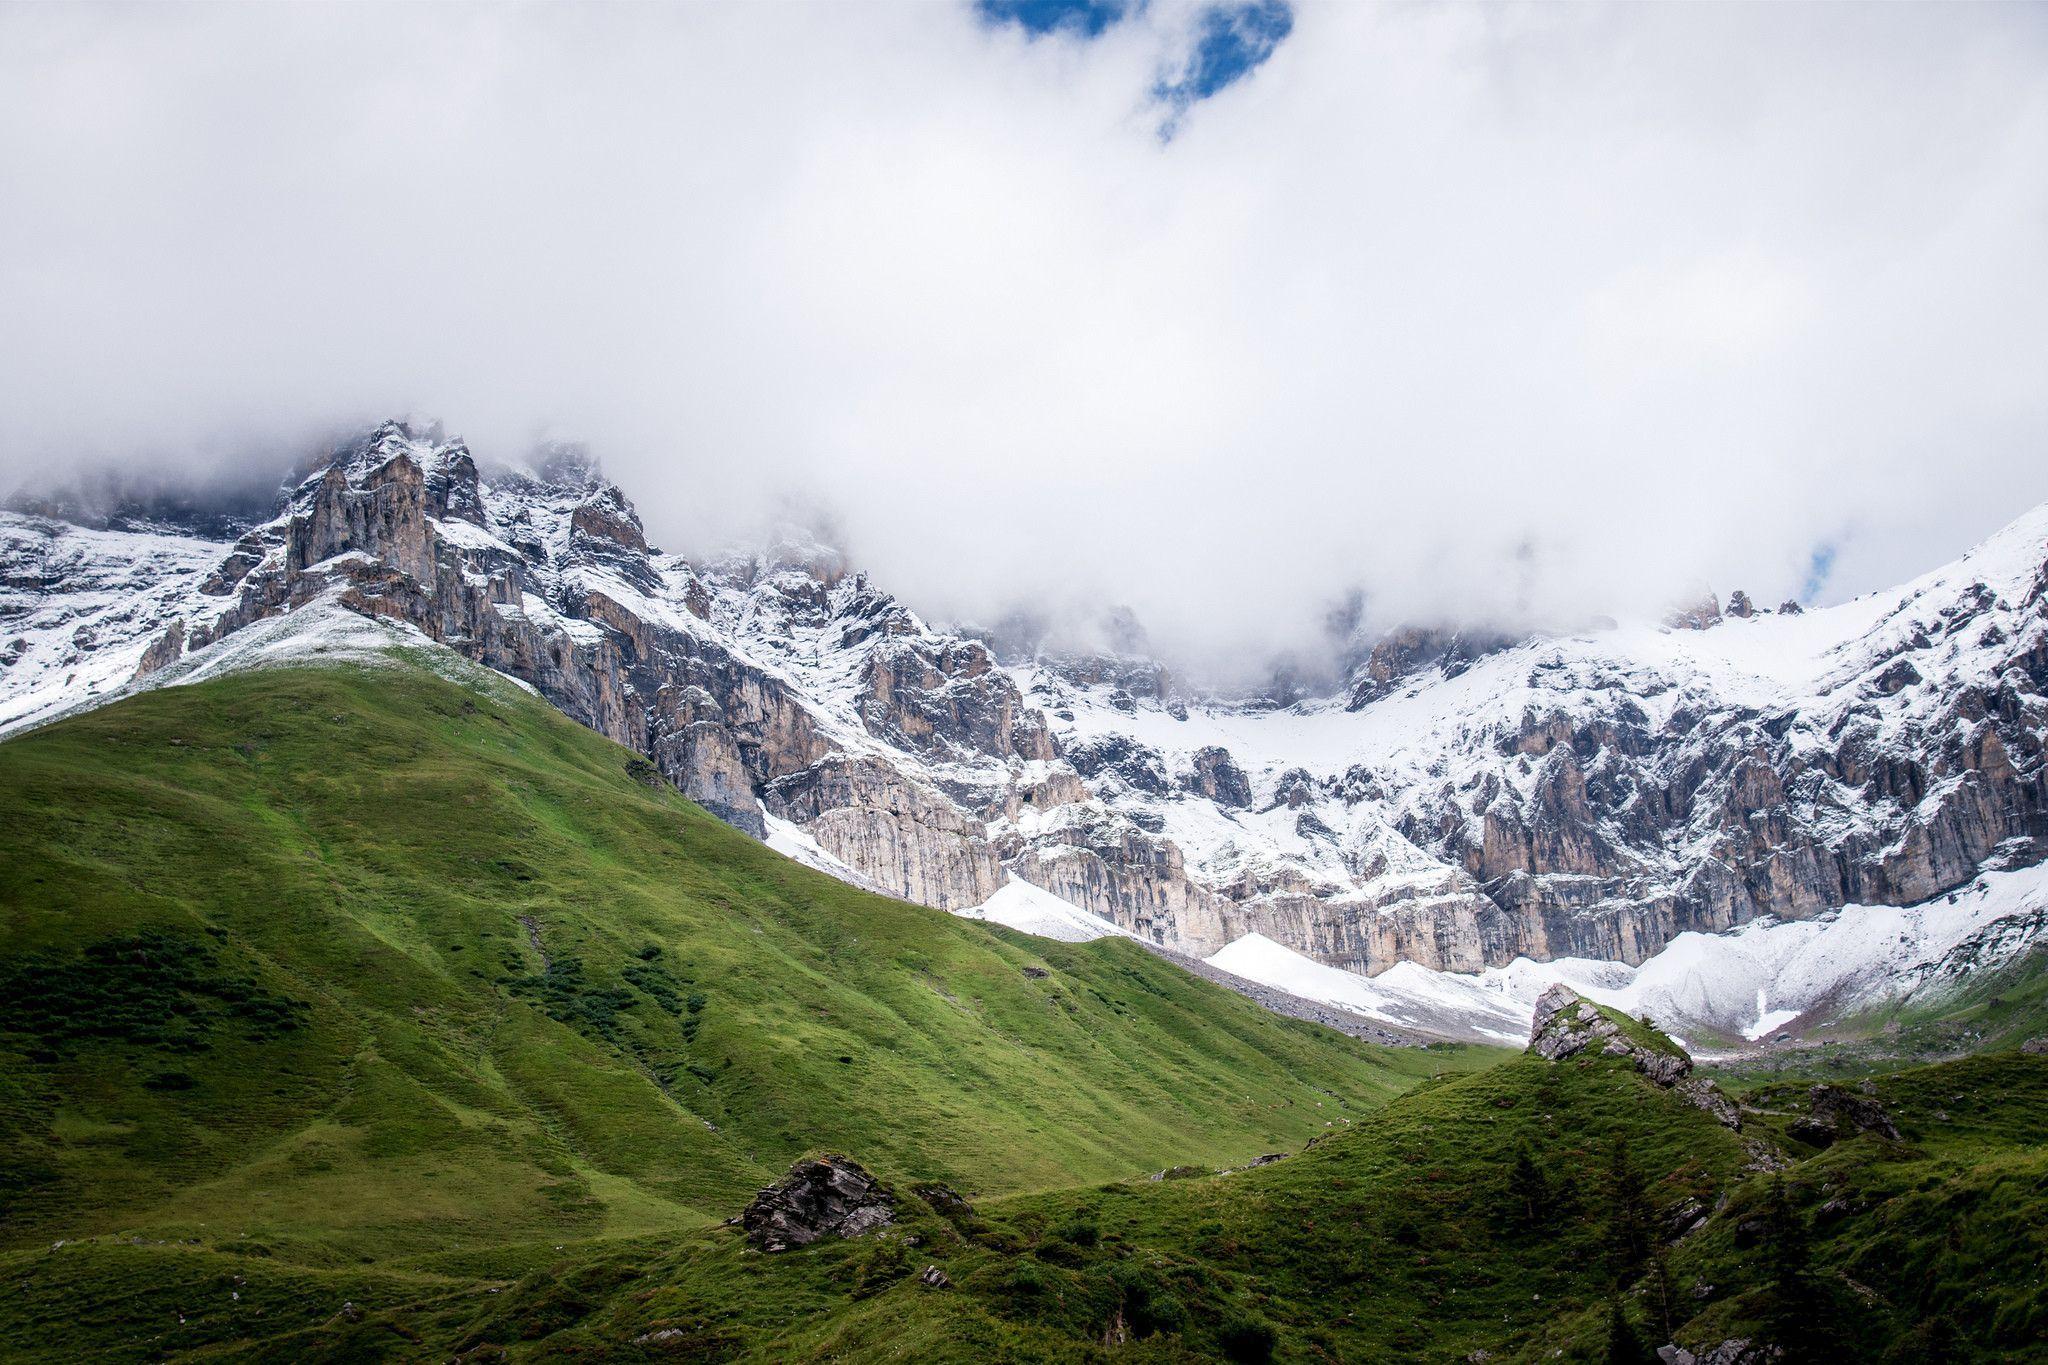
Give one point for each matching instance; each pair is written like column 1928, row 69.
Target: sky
column 1220, row 311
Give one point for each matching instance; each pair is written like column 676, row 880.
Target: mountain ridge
column 1590, row 796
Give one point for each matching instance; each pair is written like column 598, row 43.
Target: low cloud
column 1489, row 312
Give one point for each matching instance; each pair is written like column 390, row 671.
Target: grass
column 347, row 967
column 1396, row 1238
column 481, row 1035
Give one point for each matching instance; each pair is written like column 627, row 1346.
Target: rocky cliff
column 1463, row 798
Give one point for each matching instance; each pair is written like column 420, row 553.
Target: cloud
column 1487, row 311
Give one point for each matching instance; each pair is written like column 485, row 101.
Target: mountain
column 1463, row 801
column 375, row 982
column 346, row 947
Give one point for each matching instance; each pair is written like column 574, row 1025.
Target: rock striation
column 1459, row 799
column 831, row 1196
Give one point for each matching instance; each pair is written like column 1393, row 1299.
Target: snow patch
column 1747, row 983
column 1407, row 995
column 1033, row 910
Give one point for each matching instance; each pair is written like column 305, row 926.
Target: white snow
column 99, row 600
column 1748, row 983
column 1032, row 910
column 1406, row 995
column 87, row 604
column 792, row 842
column 1435, row 754
column 1768, row 1020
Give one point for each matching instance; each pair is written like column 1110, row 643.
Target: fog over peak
column 1489, row 314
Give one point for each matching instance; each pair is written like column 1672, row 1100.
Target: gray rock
column 1566, row 1024
column 1834, row 1113
column 829, row 1197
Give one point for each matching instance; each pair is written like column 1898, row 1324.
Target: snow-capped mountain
column 1597, row 794
column 1463, row 802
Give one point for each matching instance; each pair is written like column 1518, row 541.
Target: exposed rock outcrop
column 1462, row 799
column 832, row 1196
column 1567, row 1024
column 1834, row 1114
column 1412, row 651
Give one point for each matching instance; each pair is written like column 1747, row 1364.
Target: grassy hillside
column 1406, row 1238
column 1409, row 1236
column 354, row 1014
column 358, row 962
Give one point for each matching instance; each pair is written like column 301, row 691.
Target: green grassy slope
column 284, row 1076
column 1404, row 1237
column 356, row 963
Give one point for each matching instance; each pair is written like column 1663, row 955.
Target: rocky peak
column 1411, row 650
column 567, row 465
column 1571, row 796
column 1702, row 613
column 790, row 551
column 1567, row 1025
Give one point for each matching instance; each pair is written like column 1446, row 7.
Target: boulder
column 832, row 1196
column 1835, row 1114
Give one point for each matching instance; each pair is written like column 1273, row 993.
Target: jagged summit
column 1467, row 799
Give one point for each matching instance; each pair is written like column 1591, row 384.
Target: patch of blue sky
column 1083, row 18
column 1818, row 566
column 1231, row 41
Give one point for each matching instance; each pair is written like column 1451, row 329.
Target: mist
column 1502, row 314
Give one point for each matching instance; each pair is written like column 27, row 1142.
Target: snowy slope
column 1711, row 990
column 1642, row 778
column 1409, row 849
column 1020, row 905
column 1406, row 996
column 80, row 607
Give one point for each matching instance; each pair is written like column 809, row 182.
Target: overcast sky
column 1548, row 309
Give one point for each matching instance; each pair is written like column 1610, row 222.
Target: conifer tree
column 1795, row 1314
column 1528, row 1189
column 1628, row 1215
column 1624, row 1347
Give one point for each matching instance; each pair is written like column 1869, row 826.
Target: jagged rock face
column 942, row 701
column 1214, row 775
column 549, row 578
column 1411, row 650
column 1128, row 875
column 1596, row 796
column 890, row 831
column 832, row 1196
column 1465, row 799
column 1703, row 614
